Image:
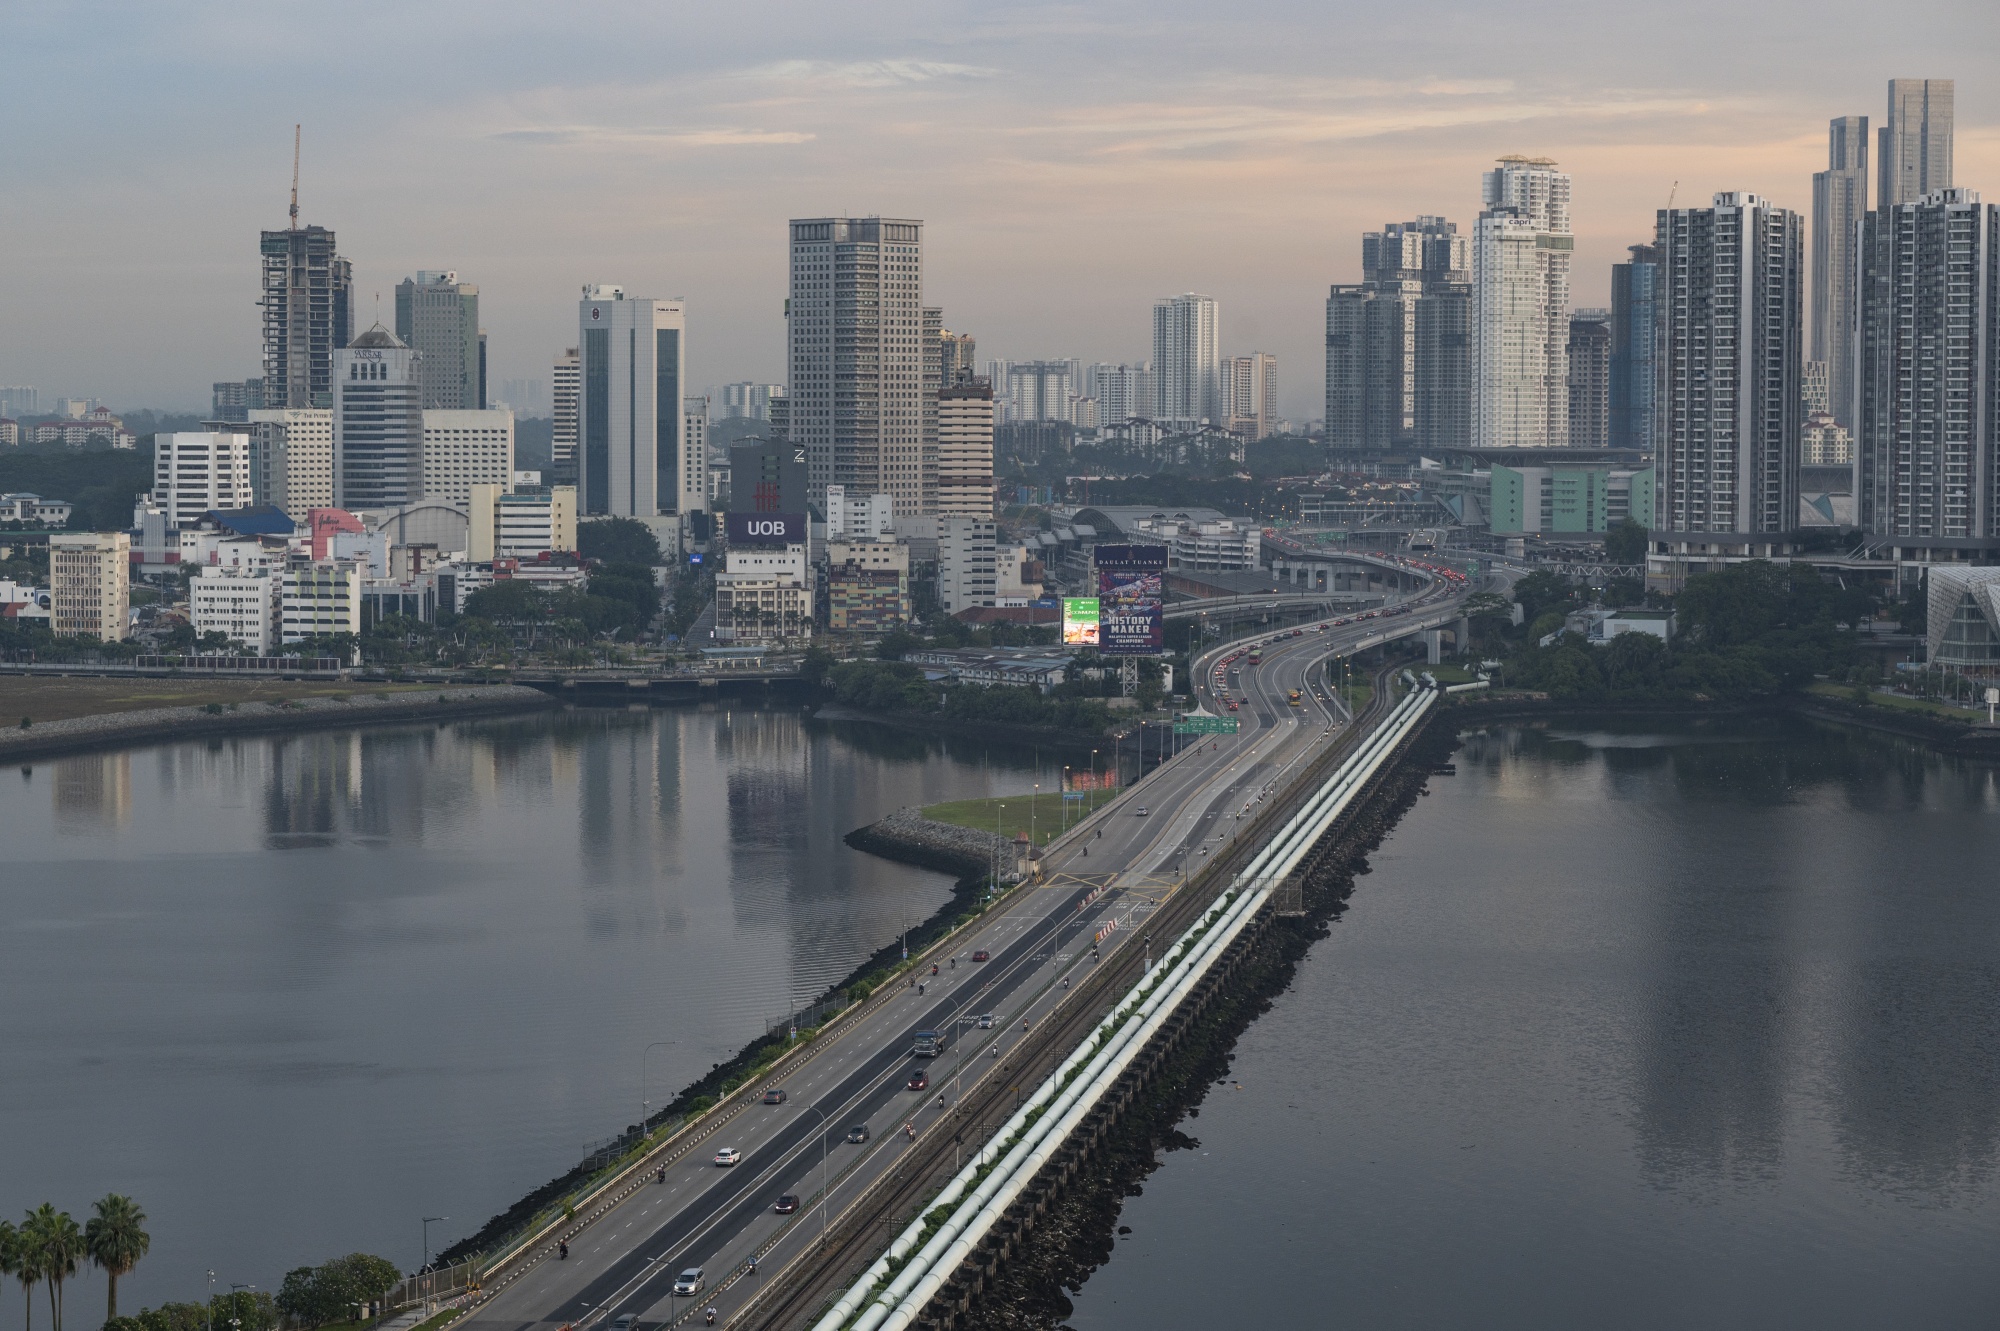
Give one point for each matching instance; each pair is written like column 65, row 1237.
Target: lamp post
column 1031, row 815
column 1064, row 792
column 211, row 1299
column 429, row 1220
column 823, row 1124
column 645, row 1105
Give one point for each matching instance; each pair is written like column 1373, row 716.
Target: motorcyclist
column 1065, row 981
column 920, row 991
column 711, row 1315
column 934, row 968
column 562, row 1250
column 661, row 1175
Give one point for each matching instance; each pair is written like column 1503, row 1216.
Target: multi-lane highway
column 849, row 1106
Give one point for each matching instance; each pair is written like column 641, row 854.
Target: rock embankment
column 908, row 836
column 166, row 724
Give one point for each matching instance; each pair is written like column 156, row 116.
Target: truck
column 929, row 1044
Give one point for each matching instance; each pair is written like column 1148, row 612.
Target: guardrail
column 892, row 1293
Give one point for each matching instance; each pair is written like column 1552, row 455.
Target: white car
column 689, row 1282
column 1142, row 811
column 986, row 1022
column 728, row 1155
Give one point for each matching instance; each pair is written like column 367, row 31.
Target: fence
column 429, row 1286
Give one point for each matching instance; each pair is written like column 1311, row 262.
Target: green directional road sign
column 1204, row 725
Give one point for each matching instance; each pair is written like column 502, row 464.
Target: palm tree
column 17, row 1259
column 58, row 1246
column 116, row 1238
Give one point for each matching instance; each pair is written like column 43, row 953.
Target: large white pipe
column 1181, row 969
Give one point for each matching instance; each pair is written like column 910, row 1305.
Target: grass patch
column 1052, row 814
column 433, row 1323
column 59, row 699
column 1897, row 702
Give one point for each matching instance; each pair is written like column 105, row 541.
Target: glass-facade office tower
column 1927, row 455
column 378, row 423
column 855, row 356
column 438, row 315
column 1590, row 379
column 1730, row 410
column 308, row 303
column 1635, row 314
column 631, row 371
column 1914, row 157
column 1521, row 249
column 1840, row 200
column 1396, row 346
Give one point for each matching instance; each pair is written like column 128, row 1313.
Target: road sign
column 1205, row 725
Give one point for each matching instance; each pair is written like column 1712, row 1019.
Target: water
column 296, row 993
column 1634, row 1028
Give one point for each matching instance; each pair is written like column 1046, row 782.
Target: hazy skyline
column 1071, row 162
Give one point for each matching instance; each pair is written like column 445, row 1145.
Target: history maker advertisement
column 1131, row 599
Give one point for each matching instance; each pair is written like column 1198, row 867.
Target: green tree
column 365, row 1278
column 1541, row 592
column 618, row 541
column 19, row 1259
column 116, row 1239
column 1625, row 543
column 59, row 1247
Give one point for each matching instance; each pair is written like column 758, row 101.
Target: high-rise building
column 564, row 380
column 1123, row 392
column 1187, row 357
column 462, row 449
column 955, row 356
column 232, row 399
column 18, row 402
column 1034, row 390
column 291, row 459
column 1444, row 367
column 693, row 496
column 1373, row 389
column 1521, row 251
column 90, row 584
column 240, row 604
column 933, row 379
column 1730, row 411
column 855, row 356
column 1635, row 293
column 749, row 401
column 1590, row 379
column 438, row 315
column 965, row 450
column 1840, row 200
column 630, row 423
column 767, row 476
column 1928, row 442
column 1914, row 156
column 198, row 470
column 968, row 563
column 308, row 301
column 506, row 525
column 1250, row 395
column 378, row 423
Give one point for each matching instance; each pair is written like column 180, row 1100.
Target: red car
column 786, row 1204
column 920, row 1080
column 982, row 955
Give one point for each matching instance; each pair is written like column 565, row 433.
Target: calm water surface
column 1627, row 1029
column 296, row 993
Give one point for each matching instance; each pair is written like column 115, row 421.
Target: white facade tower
column 1521, row 250
column 632, row 368
column 1187, row 358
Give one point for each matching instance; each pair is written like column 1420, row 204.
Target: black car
column 858, row 1133
column 786, row 1204
column 774, row 1096
column 920, row 1080
column 982, row 955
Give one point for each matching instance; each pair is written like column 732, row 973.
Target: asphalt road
column 1108, row 874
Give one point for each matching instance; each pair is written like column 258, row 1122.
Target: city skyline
column 1040, row 243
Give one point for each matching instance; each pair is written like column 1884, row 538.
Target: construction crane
column 295, row 190
column 295, row 177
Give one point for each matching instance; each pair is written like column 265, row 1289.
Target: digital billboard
column 1079, row 622
column 766, row 528
column 1131, row 599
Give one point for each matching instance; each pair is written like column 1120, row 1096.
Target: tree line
column 48, row 1248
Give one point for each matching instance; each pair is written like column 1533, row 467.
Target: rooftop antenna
column 295, row 177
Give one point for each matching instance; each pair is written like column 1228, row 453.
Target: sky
column 1071, row 162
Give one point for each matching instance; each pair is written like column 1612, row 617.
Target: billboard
column 1131, row 597
column 1079, row 622
column 766, row 528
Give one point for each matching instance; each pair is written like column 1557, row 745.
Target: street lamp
column 429, row 1220
column 823, row 1125
column 645, row 1105
column 211, row 1299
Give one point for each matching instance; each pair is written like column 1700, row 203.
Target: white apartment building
column 378, row 423
column 1250, row 394
column 564, row 384
column 965, row 450
column 90, row 584
column 319, row 598
column 859, row 517
column 631, row 426
column 1187, row 357
column 466, row 448
column 1521, row 250
column 754, row 607
column 291, row 459
column 520, row 526
column 1824, row 443
column 968, row 563
column 1123, row 392
column 196, row 471
column 239, row 604
column 693, row 461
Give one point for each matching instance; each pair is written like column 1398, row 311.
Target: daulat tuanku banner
column 1130, row 599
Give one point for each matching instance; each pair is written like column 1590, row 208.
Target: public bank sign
column 765, row 528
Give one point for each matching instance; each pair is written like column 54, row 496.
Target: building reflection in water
column 93, row 792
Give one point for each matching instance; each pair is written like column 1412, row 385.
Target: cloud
column 639, row 135
column 865, row 73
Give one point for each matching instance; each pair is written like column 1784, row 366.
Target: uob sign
column 766, row 528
